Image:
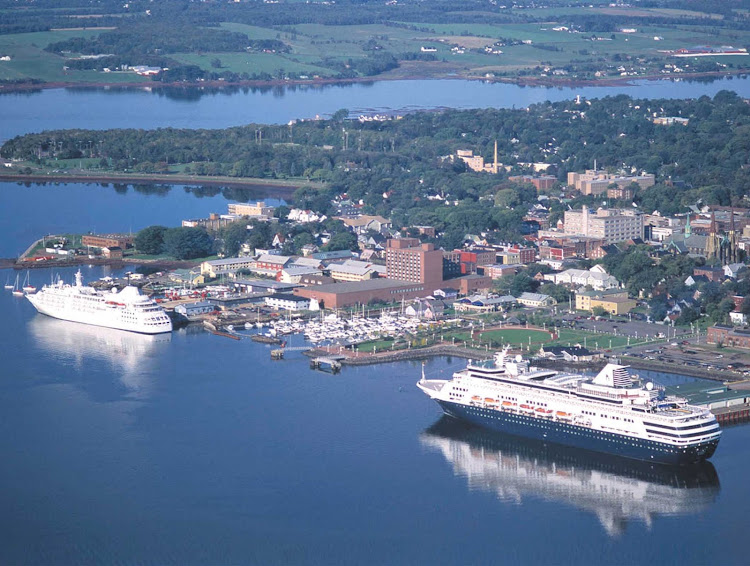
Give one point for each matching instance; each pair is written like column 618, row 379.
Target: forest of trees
column 399, row 167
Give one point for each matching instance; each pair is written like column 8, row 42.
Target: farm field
column 548, row 44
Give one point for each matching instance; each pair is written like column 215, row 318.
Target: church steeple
column 732, row 243
column 712, row 242
column 688, row 227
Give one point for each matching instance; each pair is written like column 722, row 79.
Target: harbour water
column 149, row 108
column 195, row 449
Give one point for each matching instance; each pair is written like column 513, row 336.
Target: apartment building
column 609, row 225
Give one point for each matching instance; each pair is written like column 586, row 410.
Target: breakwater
column 405, row 355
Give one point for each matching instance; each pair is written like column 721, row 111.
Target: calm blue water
column 81, row 207
column 115, row 108
column 196, row 449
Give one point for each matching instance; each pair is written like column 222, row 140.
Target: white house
column 425, row 309
column 536, row 300
column 596, row 277
column 190, row 310
column 287, row 301
column 734, row 269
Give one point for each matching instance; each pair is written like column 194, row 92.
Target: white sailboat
column 8, row 284
column 27, row 286
column 17, row 291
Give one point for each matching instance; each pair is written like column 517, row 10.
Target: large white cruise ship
column 613, row 413
column 124, row 310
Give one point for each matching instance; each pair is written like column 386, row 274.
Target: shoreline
column 285, row 186
column 161, row 264
column 547, row 82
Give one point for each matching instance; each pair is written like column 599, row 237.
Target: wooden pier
column 733, row 415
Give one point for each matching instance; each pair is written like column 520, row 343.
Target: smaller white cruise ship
column 127, row 309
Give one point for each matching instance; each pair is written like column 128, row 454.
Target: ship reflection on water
column 616, row 490
column 75, row 343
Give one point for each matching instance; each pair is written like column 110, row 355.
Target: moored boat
column 127, row 309
column 614, row 413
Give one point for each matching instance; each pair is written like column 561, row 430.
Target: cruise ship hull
column 104, row 319
column 568, row 434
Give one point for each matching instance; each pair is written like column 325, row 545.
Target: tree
column 150, row 240
column 599, row 310
column 342, row 241
column 187, row 243
column 340, row 115
column 234, row 235
column 302, row 239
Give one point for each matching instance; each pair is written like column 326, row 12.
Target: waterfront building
column 191, row 310
column 289, row 302
column 337, row 295
column 251, row 209
column 124, row 241
column 407, row 259
column 112, row 252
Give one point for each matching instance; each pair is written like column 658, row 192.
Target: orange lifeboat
column 489, row 400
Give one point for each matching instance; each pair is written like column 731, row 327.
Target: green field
column 30, row 61
column 250, row 63
column 317, row 50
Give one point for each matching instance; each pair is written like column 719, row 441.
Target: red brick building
column 496, row 271
column 542, row 182
column 123, row 241
column 337, row 295
column 407, row 259
column 556, row 252
column 526, row 255
column 729, row 336
column 710, row 273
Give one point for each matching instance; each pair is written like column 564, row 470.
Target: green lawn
column 29, row 60
column 251, row 63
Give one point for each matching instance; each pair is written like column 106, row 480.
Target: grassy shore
column 83, row 176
